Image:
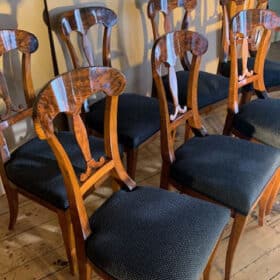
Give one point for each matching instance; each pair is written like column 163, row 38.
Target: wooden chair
column 30, row 169
column 232, row 172
column 212, row 88
column 138, row 116
column 271, row 68
column 256, row 120
column 139, row 232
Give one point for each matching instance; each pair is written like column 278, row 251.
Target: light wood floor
column 34, row 249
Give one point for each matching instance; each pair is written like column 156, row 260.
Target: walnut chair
column 256, row 120
column 31, row 169
column 139, row 232
column 271, row 68
column 212, row 88
column 138, row 116
column 233, row 172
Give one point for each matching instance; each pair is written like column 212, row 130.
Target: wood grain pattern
column 155, row 7
column 66, row 94
column 81, row 20
column 164, row 54
column 25, row 43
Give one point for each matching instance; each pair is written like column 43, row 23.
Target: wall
column 27, row 15
column 132, row 38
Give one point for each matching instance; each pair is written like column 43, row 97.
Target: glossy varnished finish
column 231, row 8
column 164, row 54
column 25, row 43
column 167, row 7
column 66, row 94
column 80, row 20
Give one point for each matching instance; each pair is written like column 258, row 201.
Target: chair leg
column 272, row 199
column 245, row 97
column 207, row 270
column 12, row 196
column 236, row 232
column 68, row 238
column 265, row 200
column 164, row 176
column 85, row 270
column 228, row 124
column 131, row 159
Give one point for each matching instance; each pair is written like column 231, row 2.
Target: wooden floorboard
column 34, row 249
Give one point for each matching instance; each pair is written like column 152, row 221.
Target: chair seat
column 259, row 119
column 211, row 88
column 138, row 118
column 151, row 233
column 271, row 71
column 33, row 167
column 231, row 171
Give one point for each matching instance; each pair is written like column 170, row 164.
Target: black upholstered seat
column 271, row 71
column 211, row 88
column 138, row 118
column 151, row 233
column 259, row 119
column 233, row 172
column 34, row 167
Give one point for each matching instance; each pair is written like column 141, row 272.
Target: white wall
column 132, row 38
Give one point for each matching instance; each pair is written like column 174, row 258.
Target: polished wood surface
column 231, row 8
column 66, row 94
column 35, row 250
column 155, row 7
column 165, row 51
column 25, row 43
column 80, row 20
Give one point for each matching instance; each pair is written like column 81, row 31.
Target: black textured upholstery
column 260, row 119
column 151, row 233
column 231, row 171
column 138, row 118
column 271, row 71
column 211, row 88
column 33, row 167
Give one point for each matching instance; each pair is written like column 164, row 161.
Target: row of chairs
column 51, row 190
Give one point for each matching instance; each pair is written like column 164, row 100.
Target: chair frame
column 93, row 80
column 180, row 42
column 26, row 43
column 230, row 8
column 166, row 8
column 88, row 17
column 256, row 77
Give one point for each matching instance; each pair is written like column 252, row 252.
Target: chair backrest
column 66, row 94
column 81, row 20
column 25, row 43
column 166, row 50
column 230, row 9
column 243, row 27
column 166, row 8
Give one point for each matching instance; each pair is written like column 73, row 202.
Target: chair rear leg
column 228, row 124
column 272, row 199
column 164, row 176
column 85, row 270
column 131, row 161
column 68, row 238
column 266, row 199
column 12, row 196
column 236, row 232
